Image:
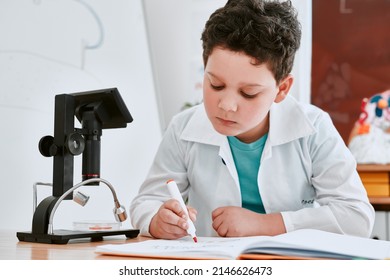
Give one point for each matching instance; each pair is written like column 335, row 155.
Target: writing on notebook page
column 202, row 244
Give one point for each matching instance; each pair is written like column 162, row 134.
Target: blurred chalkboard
column 351, row 56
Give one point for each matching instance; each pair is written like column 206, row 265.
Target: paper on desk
column 205, row 248
column 305, row 243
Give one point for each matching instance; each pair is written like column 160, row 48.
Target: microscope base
column 63, row 236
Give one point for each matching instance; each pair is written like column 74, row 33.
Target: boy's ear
column 284, row 88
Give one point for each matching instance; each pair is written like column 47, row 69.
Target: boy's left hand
column 233, row 221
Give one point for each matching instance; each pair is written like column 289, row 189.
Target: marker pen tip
column 195, row 239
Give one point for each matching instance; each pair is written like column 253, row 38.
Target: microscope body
column 96, row 110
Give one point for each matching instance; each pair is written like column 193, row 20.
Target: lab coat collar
column 199, row 129
column 288, row 122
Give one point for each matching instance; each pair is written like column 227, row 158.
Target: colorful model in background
column 369, row 141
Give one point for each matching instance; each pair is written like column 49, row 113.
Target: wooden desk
column 380, row 203
column 12, row 249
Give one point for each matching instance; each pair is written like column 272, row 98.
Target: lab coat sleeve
column 168, row 164
column 341, row 199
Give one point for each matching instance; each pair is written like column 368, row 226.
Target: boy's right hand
column 170, row 221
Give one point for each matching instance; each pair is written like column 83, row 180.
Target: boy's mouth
column 225, row 121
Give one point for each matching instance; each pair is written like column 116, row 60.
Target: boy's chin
column 224, row 131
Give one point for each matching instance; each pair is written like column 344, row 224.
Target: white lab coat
column 307, row 173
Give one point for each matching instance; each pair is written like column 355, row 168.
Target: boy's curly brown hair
column 268, row 31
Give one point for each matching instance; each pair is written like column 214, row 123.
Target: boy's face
column 238, row 95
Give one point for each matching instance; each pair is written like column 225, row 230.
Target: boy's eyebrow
column 245, row 85
column 211, row 74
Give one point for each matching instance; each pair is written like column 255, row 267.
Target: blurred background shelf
column 376, row 180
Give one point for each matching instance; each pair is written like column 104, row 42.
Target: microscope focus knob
column 75, row 143
column 47, row 147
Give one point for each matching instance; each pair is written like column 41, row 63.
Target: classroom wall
column 50, row 47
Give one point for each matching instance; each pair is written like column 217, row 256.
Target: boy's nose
column 228, row 102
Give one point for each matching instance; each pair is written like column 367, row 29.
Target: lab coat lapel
column 200, row 129
column 288, row 122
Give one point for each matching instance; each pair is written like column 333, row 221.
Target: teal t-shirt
column 247, row 160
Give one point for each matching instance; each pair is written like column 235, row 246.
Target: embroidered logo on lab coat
column 307, row 202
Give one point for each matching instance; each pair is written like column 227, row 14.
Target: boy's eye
column 216, row 87
column 249, row 96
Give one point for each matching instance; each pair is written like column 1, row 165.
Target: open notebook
column 300, row 244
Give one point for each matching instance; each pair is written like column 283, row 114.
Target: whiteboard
column 50, row 47
column 176, row 51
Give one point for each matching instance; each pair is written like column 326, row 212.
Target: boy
column 250, row 159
